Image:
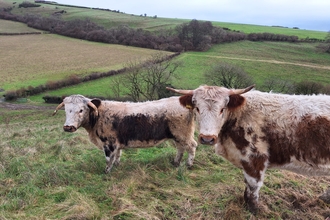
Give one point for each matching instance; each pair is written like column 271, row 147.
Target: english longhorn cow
column 113, row 126
column 256, row 130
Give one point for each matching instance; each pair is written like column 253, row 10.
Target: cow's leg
column 251, row 193
column 190, row 147
column 179, row 155
column 110, row 152
column 117, row 159
column 191, row 153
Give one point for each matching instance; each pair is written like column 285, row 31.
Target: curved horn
column 93, row 107
column 241, row 91
column 57, row 108
column 183, row 92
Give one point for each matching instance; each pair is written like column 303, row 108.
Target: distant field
column 250, row 28
column 110, row 19
column 261, row 60
column 34, row 60
column 15, row 27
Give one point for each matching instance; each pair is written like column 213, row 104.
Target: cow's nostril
column 69, row 128
column 210, row 140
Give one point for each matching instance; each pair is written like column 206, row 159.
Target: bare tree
column 278, row 85
column 115, row 85
column 227, row 75
column 147, row 80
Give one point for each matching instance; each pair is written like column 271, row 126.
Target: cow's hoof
column 107, row 170
column 190, row 167
column 176, row 164
column 326, row 197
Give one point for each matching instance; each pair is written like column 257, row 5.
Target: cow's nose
column 207, row 139
column 69, row 128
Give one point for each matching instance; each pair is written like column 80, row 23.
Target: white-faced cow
column 257, row 130
column 113, row 126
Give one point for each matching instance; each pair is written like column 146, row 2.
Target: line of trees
column 192, row 36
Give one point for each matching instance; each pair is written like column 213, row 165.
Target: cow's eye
column 221, row 111
column 80, row 111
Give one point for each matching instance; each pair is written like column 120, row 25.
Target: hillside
column 114, row 17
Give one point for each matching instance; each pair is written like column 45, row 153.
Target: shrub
column 52, row 99
column 308, row 88
column 27, row 4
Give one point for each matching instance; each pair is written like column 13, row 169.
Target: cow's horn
column 241, row 91
column 94, row 107
column 57, row 108
column 183, row 92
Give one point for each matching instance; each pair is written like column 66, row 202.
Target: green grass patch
column 48, row 173
column 290, row 31
column 15, row 27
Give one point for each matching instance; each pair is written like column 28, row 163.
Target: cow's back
column 294, row 129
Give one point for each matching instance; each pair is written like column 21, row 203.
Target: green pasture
column 251, row 28
column 15, row 27
column 46, row 173
column 110, row 19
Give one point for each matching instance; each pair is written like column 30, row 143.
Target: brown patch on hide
column 280, row 148
column 255, row 164
column 236, row 133
column 313, row 139
column 141, row 127
column 186, row 101
column 310, row 143
column 235, row 101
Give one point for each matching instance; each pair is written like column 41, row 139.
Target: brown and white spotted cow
column 257, row 130
column 113, row 126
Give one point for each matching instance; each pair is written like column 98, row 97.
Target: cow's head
column 212, row 105
column 79, row 111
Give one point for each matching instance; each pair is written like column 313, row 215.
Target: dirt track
column 12, row 106
column 311, row 65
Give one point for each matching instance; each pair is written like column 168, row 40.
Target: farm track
column 273, row 61
column 14, row 106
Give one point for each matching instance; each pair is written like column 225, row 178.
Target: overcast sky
column 304, row 14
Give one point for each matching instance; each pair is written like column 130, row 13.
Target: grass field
column 15, row 27
column 46, row 173
column 294, row 62
column 32, row 60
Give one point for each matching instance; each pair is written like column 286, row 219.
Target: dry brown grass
column 35, row 59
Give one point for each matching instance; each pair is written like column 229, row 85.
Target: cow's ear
column 96, row 102
column 186, row 101
column 235, row 101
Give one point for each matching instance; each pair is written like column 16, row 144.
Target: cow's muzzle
column 69, row 128
column 207, row 139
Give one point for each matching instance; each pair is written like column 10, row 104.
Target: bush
column 52, row 99
column 28, row 5
column 308, row 88
column 227, row 75
column 10, row 96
